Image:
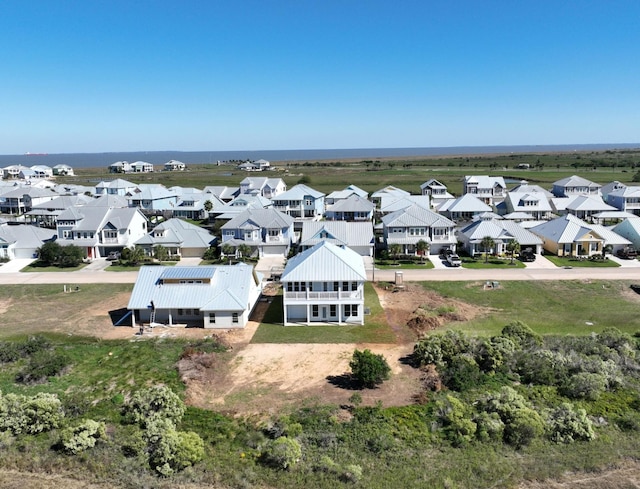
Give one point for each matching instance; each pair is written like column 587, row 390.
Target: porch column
column 308, row 316
column 285, row 314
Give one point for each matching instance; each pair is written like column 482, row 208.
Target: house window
column 212, row 318
column 289, row 286
column 274, row 232
column 314, row 310
column 308, row 202
column 333, row 310
column 345, row 285
column 234, row 317
column 350, row 310
column 335, row 286
column 180, row 312
column 354, row 285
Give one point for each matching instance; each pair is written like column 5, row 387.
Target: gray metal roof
column 416, row 215
column 263, row 218
column 325, row 262
column 339, row 232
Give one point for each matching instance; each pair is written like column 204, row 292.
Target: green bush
column 492, row 353
column 439, row 349
column 566, row 425
column 171, row 450
column 455, row 417
column 78, row 438
column 521, row 335
column 30, row 415
column 282, row 453
column 148, row 405
column 523, row 426
column 585, row 385
column 462, row 373
column 368, row 368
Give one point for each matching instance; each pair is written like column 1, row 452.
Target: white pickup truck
column 454, row 260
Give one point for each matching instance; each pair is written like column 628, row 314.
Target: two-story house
column 174, row 165
column 463, row 208
column 266, row 231
column 116, row 187
column 349, row 191
column 100, row 230
column 575, row 185
column 180, row 239
column 324, row 284
column 357, row 236
column 152, row 198
column 300, row 202
column 625, row 199
column 263, row 186
column 489, row 190
column 436, row 191
column 415, row 223
column 353, row 208
column 536, row 204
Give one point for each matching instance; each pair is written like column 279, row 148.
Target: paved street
column 630, row 270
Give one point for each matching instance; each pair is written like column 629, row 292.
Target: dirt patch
column 5, row 304
column 424, row 310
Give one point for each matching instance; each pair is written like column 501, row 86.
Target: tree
column 244, row 250
column 513, row 247
column 487, row 244
column 160, row 253
column 368, row 368
column 208, row 205
column 171, row 450
column 422, row 247
column 133, row 256
column 394, row 250
column 48, row 253
column 70, row 256
column 227, row 250
column 304, row 180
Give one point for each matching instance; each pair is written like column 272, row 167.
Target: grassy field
column 553, row 307
column 562, row 261
column 408, row 174
column 480, row 263
column 375, row 329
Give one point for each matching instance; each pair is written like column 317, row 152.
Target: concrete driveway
column 540, row 262
column 16, row 265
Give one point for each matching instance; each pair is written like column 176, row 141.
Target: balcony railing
column 310, row 295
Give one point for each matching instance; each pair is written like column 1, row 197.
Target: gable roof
column 261, row 218
column 299, row 192
column 353, row 203
column 325, row 262
column 178, row 232
column 416, row 215
column 468, row 203
column 500, row 229
column 338, row 232
column 564, row 229
column 575, row 181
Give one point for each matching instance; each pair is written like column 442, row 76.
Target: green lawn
column 375, row 329
column 480, row 263
column 548, row 307
column 38, row 268
column 116, row 267
column 562, row 261
column 403, row 265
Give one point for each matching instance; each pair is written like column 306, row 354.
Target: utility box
column 399, row 278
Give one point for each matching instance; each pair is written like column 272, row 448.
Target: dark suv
column 527, row 256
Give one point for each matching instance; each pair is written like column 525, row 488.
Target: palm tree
column 487, row 244
column 160, row 253
column 422, row 247
column 244, row 250
column 394, row 250
column 513, row 247
column 227, row 249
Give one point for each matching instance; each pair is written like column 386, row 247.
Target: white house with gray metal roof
column 489, row 190
column 501, row 231
column 300, row 202
column 266, row 187
column 324, row 284
column 180, row 238
column 266, row 231
column 353, row 208
column 463, row 208
column 355, row 235
column 415, row 223
column 23, row 240
column 220, row 297
column 347, row 192
column 575, row 185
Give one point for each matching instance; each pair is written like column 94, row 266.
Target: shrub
column 455, row 417
column 31, row 415
column 489, row 427
column 494, row 352
column 171, row 450
column 439, row 349
column 523, row 427
column 282, row 453
column 148, row 405
column 521, row 335
column 78, row 438
column 368, row 368
column 462, row 373
column 585, row 385
column 566, row 425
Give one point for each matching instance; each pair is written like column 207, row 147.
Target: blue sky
column 94, row 76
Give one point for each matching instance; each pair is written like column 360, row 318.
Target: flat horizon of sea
column 93, row 160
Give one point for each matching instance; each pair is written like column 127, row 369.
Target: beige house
column 569, row 236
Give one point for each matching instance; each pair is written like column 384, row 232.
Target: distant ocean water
column 93, row 160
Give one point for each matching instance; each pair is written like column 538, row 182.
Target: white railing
column 310, row 295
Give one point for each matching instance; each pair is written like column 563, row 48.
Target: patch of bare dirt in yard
column 5, row 304
column 627, row 476
column 423, row 310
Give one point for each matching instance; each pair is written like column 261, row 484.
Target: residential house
column 582, row 206
column 63, row 170
column 222, row 192
column 237, row 206
column 629, row 229
column 214, row 297
column 141, row 167
column 536, row 204
column 324, row 284
column 353, row 208
column 625, row 199
column 152, row 199
column 436, row 191
column 349, row 191
column 174, row 165
column 357, row 236
column 258, row 165
column 23, row 240
column 463, row 208
column 46, row 213
column 607, row 188
column 569, row 235
column 179, row 238
column 13, row 171
column 21, row 199
column 388, row 193
column 266, row 231
column 120, row 167
column 502, row 232
column 300, row 202
column 100, row 230
column 391, row 203
column 415, row 223
column 191, row 205
column 116, row 187
column 575, row 185
column 265, row 187
column 42, row 171
column 489, row 190
column 526, row 187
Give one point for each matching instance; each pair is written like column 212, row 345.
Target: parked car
column 114, row 255
column 454, row 260
column 627, row 253
column 527, row 256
